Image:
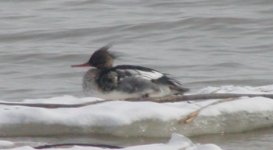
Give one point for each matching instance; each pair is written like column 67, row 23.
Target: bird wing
column 134, row 78
column 126, row 71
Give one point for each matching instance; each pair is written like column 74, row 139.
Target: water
column 200, row 42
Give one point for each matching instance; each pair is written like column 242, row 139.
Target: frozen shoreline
column 139, row 119
column 120, row 118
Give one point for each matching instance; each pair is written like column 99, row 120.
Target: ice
column 177, row 142
column 6, row 144
column 238, row 89
column 146, row 119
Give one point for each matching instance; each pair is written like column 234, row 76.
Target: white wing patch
column 147, row 75
column 153, row 75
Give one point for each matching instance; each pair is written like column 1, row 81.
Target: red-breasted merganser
column 125, row 81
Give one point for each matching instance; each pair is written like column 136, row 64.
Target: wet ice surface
column 121, row 118
column 177, row 142
column 140, row 119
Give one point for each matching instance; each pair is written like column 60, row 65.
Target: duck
column 104, row 80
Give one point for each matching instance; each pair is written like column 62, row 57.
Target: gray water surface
column 200, row 42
